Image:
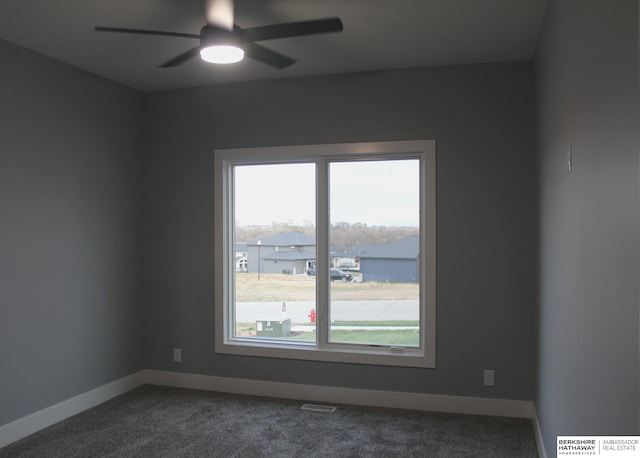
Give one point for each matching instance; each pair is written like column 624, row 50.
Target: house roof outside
column 354, row 252
column 295, row 255
column 404, row 248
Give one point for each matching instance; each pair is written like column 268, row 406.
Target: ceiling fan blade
column 181, row 58
column 267, row 56
column 146, row 32
column 293, row 29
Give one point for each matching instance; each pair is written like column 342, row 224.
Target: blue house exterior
column 394, row 262
column 288, row 252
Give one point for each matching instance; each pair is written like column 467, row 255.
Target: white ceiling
column 378, row 34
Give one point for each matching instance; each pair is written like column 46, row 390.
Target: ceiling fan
column 223, row 42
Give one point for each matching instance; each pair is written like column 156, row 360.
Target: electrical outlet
column 177, row 355
column 488, row 377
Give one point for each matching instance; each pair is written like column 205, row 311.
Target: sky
column 377, row 193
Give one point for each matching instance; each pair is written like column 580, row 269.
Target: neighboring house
column 349, row 258
column 241, row 257
column 344, row 258
column 396, row 261
column 289, row 252
column 295, row 253
column 288, row 262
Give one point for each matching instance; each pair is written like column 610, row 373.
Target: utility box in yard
column 273, row 328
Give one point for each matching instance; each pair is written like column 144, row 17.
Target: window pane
column 374, row 243
column 274, row 231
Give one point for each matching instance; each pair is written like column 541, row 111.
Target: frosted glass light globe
column 222, row 54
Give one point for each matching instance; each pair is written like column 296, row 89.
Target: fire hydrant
column 312, row 315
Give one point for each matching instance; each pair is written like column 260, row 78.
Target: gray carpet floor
column 153, row 421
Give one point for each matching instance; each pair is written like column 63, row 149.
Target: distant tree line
column 343, row 234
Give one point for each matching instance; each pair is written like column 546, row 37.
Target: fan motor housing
column 211, row 35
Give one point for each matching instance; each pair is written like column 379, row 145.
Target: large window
column 327, row 252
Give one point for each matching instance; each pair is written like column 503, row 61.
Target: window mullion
column 228, row 254
column 322, row 250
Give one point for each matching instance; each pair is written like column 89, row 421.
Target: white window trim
column 323, row 351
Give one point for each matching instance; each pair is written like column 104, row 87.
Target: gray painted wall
column 482, row 119
column 69, row 172
column 587, row 92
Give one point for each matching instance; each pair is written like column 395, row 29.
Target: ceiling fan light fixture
column 222, row 54
column 220, row 46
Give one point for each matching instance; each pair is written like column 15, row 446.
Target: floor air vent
column 318, row 408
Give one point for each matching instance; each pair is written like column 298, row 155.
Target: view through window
column 275, row 209
column 374, row 241
column 373, row 251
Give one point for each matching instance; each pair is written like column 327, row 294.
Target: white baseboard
column 542, row 452
column 338, row 395
column 30, row 424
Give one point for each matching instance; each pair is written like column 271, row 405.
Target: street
column 298, row 312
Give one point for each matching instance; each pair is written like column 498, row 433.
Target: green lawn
column 377, row 323
column 399, row 337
